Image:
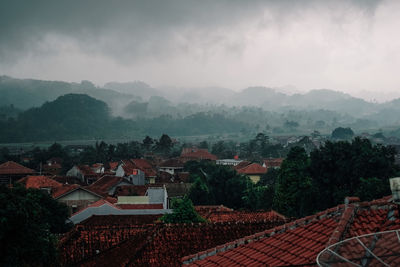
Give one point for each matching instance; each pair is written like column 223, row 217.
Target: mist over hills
column 180, row 111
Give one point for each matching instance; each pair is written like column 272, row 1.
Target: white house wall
column 79, row 195
column 106, row 209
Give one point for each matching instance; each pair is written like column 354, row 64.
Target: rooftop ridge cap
column 344, row 222
column 257, row 236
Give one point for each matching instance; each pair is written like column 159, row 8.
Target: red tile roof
column 244, row 216
column 11, row 167
column 64, row 189
column 253, row 168
column 145, row 166
column 86, row 170
column 273, row 163
column 113, row 165
column 196, row 154
column 120, row 220
column 242, row 165
column 140, row 206
column 104, row 184
column 39, row 182
column 129, row 167
column 153, row 245
column 53, row 166
column 131, row 190
column 300, row 241
column 173, row 163
column 68, row 180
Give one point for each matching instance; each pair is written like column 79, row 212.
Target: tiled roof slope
column 11, row 167
column 273, row 162
column 149, row 245
column 86, row 241
column 224, row 214
column 38, row 182
column 145, row 166
column 64, row 189
column 131, row 190
column 104, row 184
column 168, row 243
column 299, row 242
column 196, row 154
column 121, row 220
column 253, row 168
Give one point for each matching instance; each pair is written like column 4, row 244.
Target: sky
column 351, row 46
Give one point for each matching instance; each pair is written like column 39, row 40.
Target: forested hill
column 79, row 116
column 28, row 93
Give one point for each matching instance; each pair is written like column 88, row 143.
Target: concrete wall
column 106, row 209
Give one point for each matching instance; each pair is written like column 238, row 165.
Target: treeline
column 305, row 183
column 74, row 116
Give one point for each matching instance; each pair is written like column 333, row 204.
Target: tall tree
column 164, row 145
column 183, row 212
column 28, row 221
column 294, row 190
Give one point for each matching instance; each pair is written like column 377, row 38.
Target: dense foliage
column 183, row 212
column 336, row 170
column 217, row 185
column 28, row 221
column 342, row 133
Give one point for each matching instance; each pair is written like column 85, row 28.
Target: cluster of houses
column 127, row 187
column 116, row 209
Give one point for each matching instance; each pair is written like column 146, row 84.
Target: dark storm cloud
column 347, row 45
column 132, row 28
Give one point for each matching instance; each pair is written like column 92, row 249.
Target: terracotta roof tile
column 140, row 206
column 11, row 167
column 299, row 242
column 104, row 184
column 154, row 245
column 145, row 166
column 273, row 162
column 39, row 182
column 242, row 165
column 196, row 154
column 64, row 189
column 121, row 220
column 253, row 168
column 131, row 190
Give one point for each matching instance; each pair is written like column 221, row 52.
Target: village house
column 228, row 162
column 40, row 182
column 107, row 185
column 197, row 154
column 154, row 203
column 11, row 171
column 83, row 172
column 253, row 170
column 274, row 163
column 138, row 171
column 53, row 166
column 129, row 171
column 171, row 166
column 75, row 197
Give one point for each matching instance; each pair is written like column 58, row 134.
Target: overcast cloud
column 348, row 46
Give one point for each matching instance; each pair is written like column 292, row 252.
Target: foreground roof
column 119, row 243
column 299, row 242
